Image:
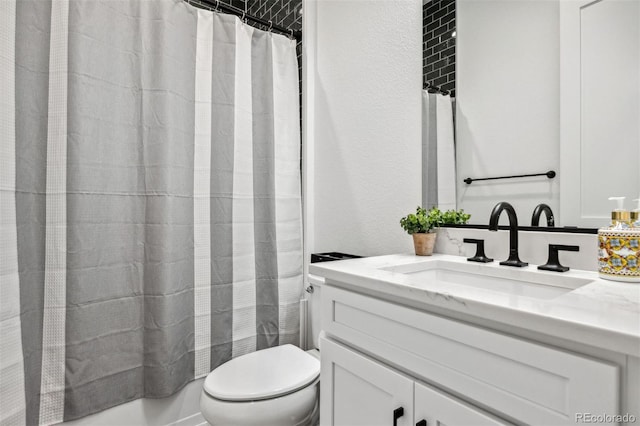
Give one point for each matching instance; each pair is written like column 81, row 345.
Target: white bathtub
column 181, row 409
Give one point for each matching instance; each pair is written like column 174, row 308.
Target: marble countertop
column 600, row 313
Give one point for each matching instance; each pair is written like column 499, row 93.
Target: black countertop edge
column 567, row 229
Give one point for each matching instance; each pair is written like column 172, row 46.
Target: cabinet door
column 355, row 390
column 438, row 409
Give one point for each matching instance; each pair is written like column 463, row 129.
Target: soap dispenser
column 635, row 215
column 619, row 247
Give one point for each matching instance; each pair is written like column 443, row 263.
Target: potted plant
column 422, row 225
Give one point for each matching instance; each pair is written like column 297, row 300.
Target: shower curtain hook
column 270, row 26
column 243, row 19
column 217, row 5
column 291, row 29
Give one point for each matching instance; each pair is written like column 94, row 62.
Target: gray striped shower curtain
column 150, row 200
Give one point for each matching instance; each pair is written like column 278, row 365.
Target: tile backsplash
column 438, row 44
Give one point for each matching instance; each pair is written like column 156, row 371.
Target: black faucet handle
column 553, row 263
column 479, row 256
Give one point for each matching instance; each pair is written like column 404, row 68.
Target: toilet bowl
column 274, row 386
column 278, row 386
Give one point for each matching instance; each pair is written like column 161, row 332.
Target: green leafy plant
column 455, row 217
column 424, row 221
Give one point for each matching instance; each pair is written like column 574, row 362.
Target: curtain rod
column 224, row 7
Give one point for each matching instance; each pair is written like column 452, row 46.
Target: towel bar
column 550, row 174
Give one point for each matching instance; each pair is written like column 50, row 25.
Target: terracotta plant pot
column 424, row 243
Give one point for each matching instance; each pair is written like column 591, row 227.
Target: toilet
column 277, row 386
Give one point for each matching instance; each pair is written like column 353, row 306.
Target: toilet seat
column 264, row 374
column 298, row 408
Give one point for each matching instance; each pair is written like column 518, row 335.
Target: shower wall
column 282, row 12
column 286, row 13
column 439, row 43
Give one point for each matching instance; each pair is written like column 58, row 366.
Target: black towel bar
column 550, row 174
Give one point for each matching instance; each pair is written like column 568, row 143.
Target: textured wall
column 438, row 43
column 364, row 133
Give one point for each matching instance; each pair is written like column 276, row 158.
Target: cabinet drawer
column 526, row 381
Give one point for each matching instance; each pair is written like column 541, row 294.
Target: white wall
column 363, row 64
column 507, row 104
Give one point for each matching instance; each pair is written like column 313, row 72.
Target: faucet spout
column 537, row 212
column 514, row 259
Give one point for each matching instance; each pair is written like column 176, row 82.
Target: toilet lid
column 263, row 374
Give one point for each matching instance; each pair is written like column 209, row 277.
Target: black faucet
column 537, row 212
column 513, row 259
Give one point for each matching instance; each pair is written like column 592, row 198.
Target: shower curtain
column 150, row 200
column 438, row 152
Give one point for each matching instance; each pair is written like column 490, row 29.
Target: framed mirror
column 540, row 86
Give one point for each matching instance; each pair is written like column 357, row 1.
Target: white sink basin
column 504, row 279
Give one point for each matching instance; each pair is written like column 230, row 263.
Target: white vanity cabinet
column 379, row 356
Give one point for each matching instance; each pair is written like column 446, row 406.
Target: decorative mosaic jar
column 618, row 254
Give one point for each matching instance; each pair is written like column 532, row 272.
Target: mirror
column 540, row 86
